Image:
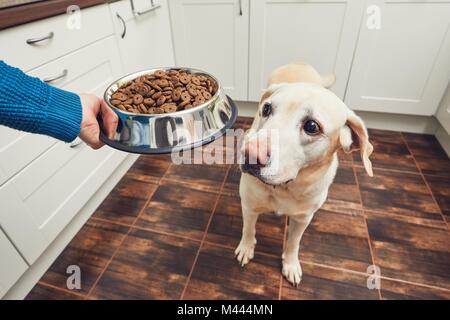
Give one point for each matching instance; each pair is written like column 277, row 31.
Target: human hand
column 90, row 130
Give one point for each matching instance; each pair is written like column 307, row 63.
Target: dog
column 292, row 172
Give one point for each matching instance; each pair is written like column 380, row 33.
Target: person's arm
column 29, row 104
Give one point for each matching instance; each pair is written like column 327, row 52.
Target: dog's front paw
column 245, row 251
column 292, row 270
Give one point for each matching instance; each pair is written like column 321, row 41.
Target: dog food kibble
column 164, row 92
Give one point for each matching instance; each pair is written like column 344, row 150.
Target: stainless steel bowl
column 168, row 132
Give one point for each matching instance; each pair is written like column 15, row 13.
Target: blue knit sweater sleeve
column 28, row 104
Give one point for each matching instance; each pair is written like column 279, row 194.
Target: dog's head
column 299, row 125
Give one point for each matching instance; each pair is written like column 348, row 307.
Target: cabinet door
column 322, row 33
column 402, row 67
column 41, row 199
column 90, row 69
column 145, row 41
column 213, row 36
column 19, row 225
column 443, row 113
column 12, row 265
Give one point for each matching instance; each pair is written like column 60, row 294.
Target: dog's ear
column 265, row 95
column 270, row 90
column 354, row 136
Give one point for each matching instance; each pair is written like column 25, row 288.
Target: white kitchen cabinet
column 212, row 35
column 11, row 265
column 145, row 41
column 37, row 202
column 90, row 69
column 19, row 225
column 36, row 43
column 45, row 183
column 443, row 113
column 402, row 67
column 18, row 148
column 321, row 33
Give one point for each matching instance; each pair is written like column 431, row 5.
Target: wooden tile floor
column 169, row 232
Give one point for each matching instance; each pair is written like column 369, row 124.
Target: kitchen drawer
column 95, row 24
column 89, row 69
column 33, row 217
column 123, row 7
column 12, row 266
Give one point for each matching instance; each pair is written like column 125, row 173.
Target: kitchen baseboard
column 36, row 271
column 399, row 122
column 247, row 109
column 444, row 139
column 373, row 120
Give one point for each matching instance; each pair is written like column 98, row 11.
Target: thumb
column 109, row 119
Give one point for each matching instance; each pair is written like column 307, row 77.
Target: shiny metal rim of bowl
column 158, row 133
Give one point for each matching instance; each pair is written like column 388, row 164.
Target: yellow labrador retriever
column 298, row 129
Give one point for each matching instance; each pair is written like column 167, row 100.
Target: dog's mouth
column 256, row 172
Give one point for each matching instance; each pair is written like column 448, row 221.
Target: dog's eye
column 311, row 127
column 267, row 109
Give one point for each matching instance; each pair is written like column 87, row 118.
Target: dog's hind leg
column 291, row 264
column 246, row 248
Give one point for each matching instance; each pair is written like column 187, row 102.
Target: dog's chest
column 285, row 202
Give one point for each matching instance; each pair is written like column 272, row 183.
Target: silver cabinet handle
column 140, row 13
column 37, row 40
column 55, row 78
column 240, row 7
column 78, row 142
column 124, row 32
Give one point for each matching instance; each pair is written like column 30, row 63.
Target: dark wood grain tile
column 91, row 249
column 338, row 240
column 323, row 283
column 231, row 185
column 345, row 158
column 430, row 156
column 410, row 252
column 226, row 227
column 343, row 195
column 125, row 201
column 395, row 290
column 198, row 176
column 390, row 152
column 217, row 275
column 150, row 168
column 148, row 266
column 178, row 209
column 220, row 151
column 43, row 292
column 398, row 193
column 440, row 187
